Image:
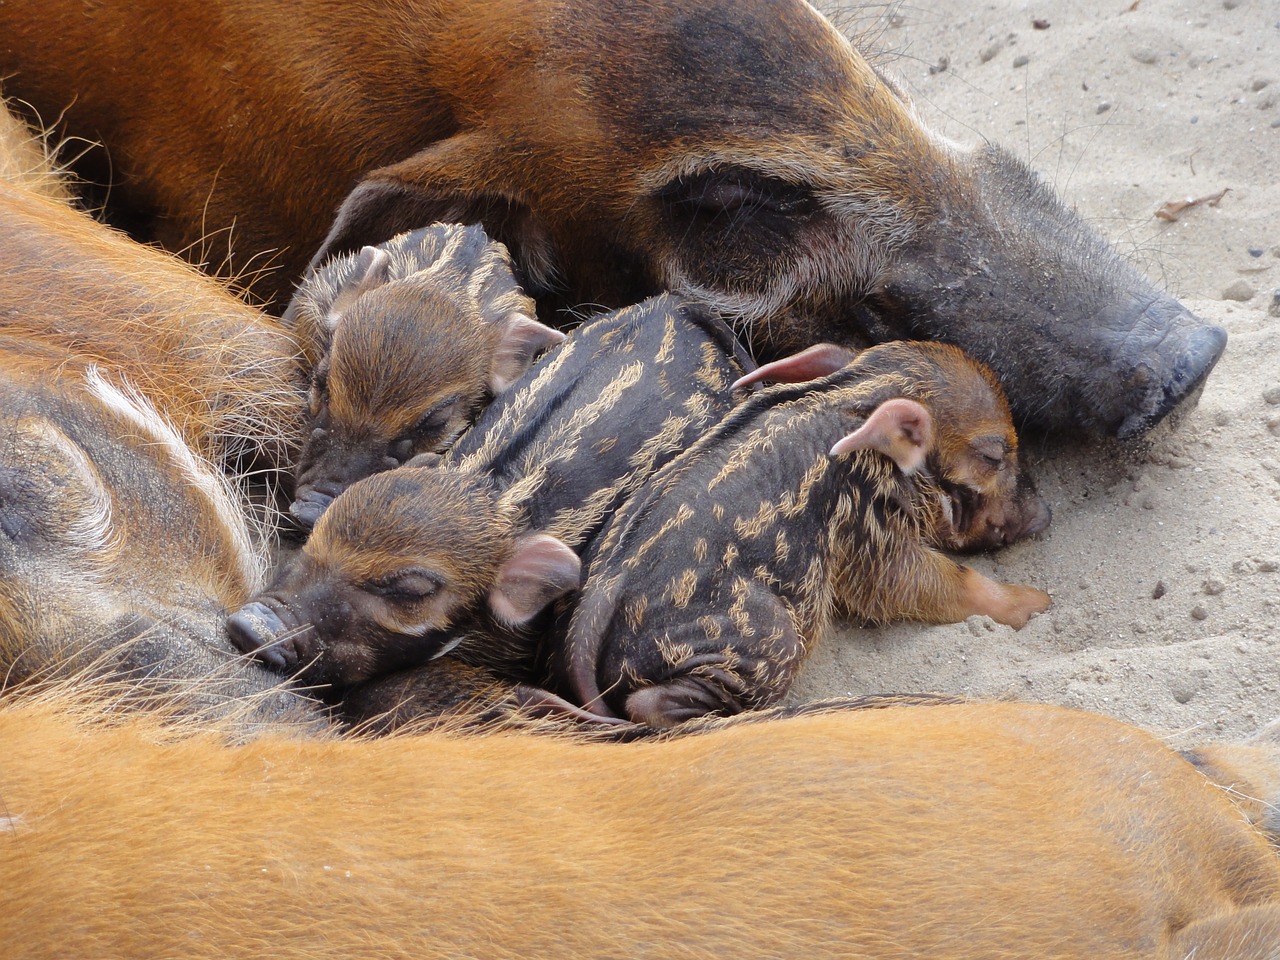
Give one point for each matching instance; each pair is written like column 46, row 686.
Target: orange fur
column 126, row 379
column 970, row 832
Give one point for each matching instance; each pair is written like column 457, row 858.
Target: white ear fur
column 371, row 269
column 901, row 429
column 541, row 570
column 522, row 339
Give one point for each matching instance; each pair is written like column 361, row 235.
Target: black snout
column 255, row 629
column 1188, row 367
column 307, row 509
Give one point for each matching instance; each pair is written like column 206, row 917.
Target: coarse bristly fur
column 406, row 342
column 141, row 401
column 709, row 585
column 965, row 831
column 388, row 578
column 741, row 151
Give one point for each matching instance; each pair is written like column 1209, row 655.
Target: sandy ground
column 1164, row 555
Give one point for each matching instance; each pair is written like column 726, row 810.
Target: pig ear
column 372, row 268
column 447, row 182
column 817, row 361
column 522, row 340
column 901, row 429
column 541, row 570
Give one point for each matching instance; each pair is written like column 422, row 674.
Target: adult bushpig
column 967, row 831
column 130, row 384
column 741, row 151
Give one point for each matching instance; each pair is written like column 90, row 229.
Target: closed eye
column 406, row 586
column 729, row 192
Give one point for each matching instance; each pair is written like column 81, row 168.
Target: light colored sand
column 1194, row 509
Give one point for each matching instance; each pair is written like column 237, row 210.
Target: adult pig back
column 801, row 196
column 966, row 832
column 124, row 376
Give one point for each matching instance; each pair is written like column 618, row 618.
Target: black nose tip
column 309, row 507
column 1188, row 371
column 254, row 629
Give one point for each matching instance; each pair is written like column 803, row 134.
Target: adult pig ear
column 448, row 182
column 541, row 570
column 820, row 360
column 522, row 340
column 901, row 429
column 371, row 268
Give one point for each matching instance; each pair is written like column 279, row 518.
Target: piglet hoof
column 1020, row 604
column 666, row 704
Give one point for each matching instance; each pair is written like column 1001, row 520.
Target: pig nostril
column 1194, row 362
column 253, row 629
column 308, row 508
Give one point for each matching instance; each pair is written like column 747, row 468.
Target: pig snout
column 312, row 501
column 319, row 482
column 268, row 632
column 1080, row 340
column 1164, row 355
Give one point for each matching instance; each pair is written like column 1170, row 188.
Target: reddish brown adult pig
column 415, row 562
column 126, row 379
column 965, row 832
column 742, row 151
column 406, row 341
column 708, row 587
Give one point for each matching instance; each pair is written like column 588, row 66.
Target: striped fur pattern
column 554, row 457
column 708, row 586
column 406, row 342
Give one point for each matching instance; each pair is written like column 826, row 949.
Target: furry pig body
column 740, row 151
column 708, row 586
column 408, row 563
column 126, row 380
column 968, row 832
column 406, row 341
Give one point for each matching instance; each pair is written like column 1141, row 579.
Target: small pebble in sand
column 1159, row 591
column 1259, row 83
column 989, row 52
column 1103, row 107
column 1230, row 4
column 1274, row 309
column 1021, row 60
column 1213, row 586
column 1239, row 290
column 1199, row 613
column 1272, row 396
column 1256, row 251
column 1144, row 54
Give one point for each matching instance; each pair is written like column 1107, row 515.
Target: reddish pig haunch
column 406, row 341
column 965, row 832
column 710, row 584
column 739, row 151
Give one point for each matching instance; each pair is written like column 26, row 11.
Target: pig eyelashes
column 406, row 586
column 722, row 197
column 428, row 431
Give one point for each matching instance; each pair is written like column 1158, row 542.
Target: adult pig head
column 745, row 153
column 741, row 150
